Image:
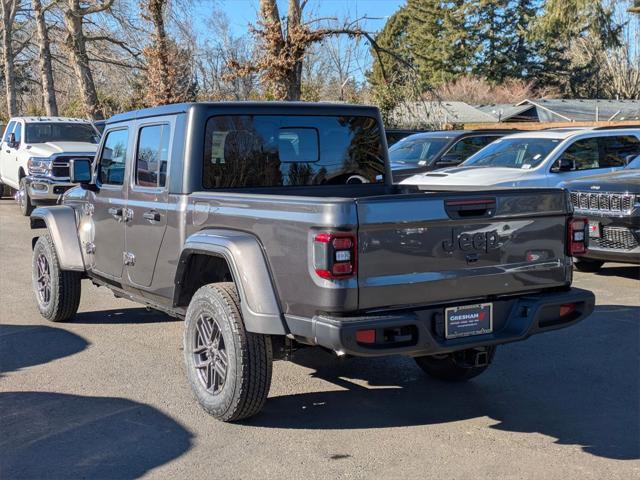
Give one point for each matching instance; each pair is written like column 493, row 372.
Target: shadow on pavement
column 580, row 386
column 50, row 435
column 122, row 315
column 632, row 272
column 25, row 345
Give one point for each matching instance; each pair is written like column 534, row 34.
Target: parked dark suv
column 427, row 151
column 612, row 204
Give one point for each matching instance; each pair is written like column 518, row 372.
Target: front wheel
column 458, row 366
column 26, row 207
column 229, row 369
column 57, row 291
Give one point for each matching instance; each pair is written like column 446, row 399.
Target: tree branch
column 98, row 7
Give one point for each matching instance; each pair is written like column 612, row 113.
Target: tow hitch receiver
column 474, row 357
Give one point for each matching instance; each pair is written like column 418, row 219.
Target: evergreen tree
column 570, row 34
column 392, row 37
column 440, row 44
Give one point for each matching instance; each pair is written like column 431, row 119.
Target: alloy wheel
column 210, row 355
column 44, row 279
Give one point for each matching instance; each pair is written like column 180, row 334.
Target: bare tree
column 44, row 51
column 76, row 41
column 9, row 11
column 168, row 66
column 283, row 47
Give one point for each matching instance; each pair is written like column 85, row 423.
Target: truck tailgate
column 437, row 247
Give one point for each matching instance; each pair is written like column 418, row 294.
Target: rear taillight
column 335, row 255
column 577, row 236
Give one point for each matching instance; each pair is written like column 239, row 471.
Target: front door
column 6, row 153
column 109, row 213
column 147, row 200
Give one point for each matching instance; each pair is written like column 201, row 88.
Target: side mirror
column 629, row 158
column 11, row 143
column 80, row 171
column 562, row 165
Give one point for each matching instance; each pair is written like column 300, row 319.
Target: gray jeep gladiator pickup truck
column 269, row 226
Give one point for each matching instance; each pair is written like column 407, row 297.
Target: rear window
column 278, row 150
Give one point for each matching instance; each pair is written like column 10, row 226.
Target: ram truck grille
column 60, row 167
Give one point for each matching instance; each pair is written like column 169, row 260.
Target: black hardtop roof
column 240, row 108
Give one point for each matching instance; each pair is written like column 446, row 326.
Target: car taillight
column 334, row 255
column 577, row 236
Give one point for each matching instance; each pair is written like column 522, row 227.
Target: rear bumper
column 613, row 255
column 421, row 331
column 45, row 188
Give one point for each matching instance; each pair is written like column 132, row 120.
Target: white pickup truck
column 35, row 154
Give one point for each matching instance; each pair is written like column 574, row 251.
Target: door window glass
column 152, row 156
column 18, row 132
column 583, row 154
column 617, row 150
column 113, row 158
column 8, row 131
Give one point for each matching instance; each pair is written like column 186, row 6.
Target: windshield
column 419, row 151
column 513, row 153
column 60, row 132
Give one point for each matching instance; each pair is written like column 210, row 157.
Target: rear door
column 147, row 199
column 439, row 247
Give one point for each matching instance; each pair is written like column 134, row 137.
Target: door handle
column 115, row 213
column 151, row 215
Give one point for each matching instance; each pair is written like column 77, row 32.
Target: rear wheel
column 457, row 366
column 590, row 266
column 57, row 291
column 26, row 207
column 229, row 369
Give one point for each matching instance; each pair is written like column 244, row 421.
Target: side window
column 8, row 131
column 582, row 154
column 616, row 150
column 113, row 157
column 152, row 155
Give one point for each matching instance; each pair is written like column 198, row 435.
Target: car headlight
column 40, row 165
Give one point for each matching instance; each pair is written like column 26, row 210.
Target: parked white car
column 546, row 158
column 35, row 154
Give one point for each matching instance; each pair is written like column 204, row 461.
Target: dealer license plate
column 468, row 320
column 594, row 229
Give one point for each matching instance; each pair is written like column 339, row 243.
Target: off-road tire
column 26, row 207
column 589, row 266
column 64, row 297
column 249, row 355
column 447, row 369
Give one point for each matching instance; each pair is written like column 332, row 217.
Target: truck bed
column 414, row 247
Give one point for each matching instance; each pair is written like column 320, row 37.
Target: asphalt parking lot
column 106, row 397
